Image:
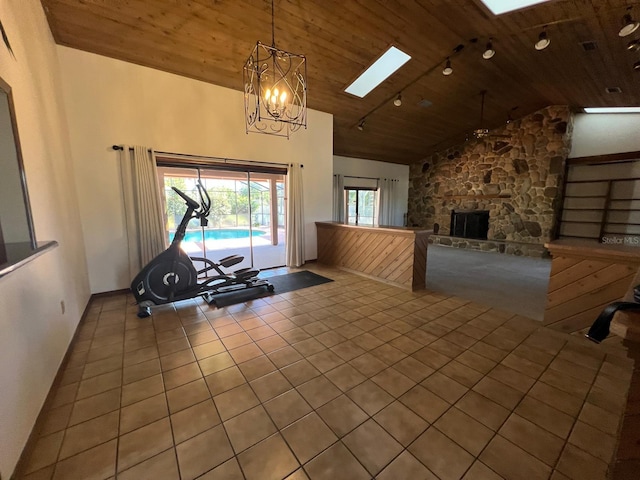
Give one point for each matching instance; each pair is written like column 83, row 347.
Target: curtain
column 143, row 206
column 338, row 198
column 295, row 217
column 386, row 201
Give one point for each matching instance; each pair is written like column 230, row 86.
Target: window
column 361, row 206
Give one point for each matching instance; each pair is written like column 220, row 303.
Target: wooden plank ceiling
column 210, row 40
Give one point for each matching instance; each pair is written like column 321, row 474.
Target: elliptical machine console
column 171, row 276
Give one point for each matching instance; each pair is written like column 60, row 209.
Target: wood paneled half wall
column 393, row 255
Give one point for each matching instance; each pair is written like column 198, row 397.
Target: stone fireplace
column 515, row 177
column 473, row 224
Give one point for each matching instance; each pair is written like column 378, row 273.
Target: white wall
column 113, row 102
column 605, row 133
column 360, row 167
column 35, row 333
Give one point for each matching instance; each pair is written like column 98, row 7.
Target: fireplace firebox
column 470, row 224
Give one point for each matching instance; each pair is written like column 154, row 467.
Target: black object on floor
column 281, row 283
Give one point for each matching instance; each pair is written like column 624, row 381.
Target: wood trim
column 594, row 251
column 613, row 157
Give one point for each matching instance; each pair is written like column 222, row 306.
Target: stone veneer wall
column 517, row 178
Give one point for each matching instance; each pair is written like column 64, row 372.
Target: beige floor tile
column 342, row 415
column 441, row 455
column 94, row 464
column 186, row 395
column 372, row 446
column 65, row 394
column 45, row 452
column 194, row 420
column 445, row 387
column 201, row 335
column 95, row 406
column 287, row 408
column 282, row 357
column 215, row 363
column 489, row 351
column 56, row 419
column 414, row 369
column 137, row 391
column 483, row 410
column 368, row 364
column 512, row 462
column 88, row 434
column 425, row 403
column 532, row 439
column 173, row 346
column 556, row 398
column 325, row 360
column 388, row 354
column 512, row 378
column 606, row 400
column 300, row 372
column 229, row 470
column 593, row 441
column 203, row 453
column 208, row 349
column 336, row 463
column 393, row 382
column 141, row 355
column 181, row 375
column 224, row 380
column 464, row 430
column 308, row 347
column 257, row 367
column 565, row 383
column 329, row 338
column 599, row 418
column 270, row 385
column 545, row 416
column 347, row 350
column 141, row 413
column 366, row 342
column 144, row 443
column 98, row 384
column 431, row 357
column 404, row 425
column 177, row 359
column 270, row 459
column 479, row 471
column 245, row 353
column 406, row 344
column 318, row 391
column 249, row 428
column 406, row 466
column 345, row 377
column 476, row 361
column 370, row 397
column 235, row 401
column 161, row 467
column 498, row 392
column 308, row 437
column 140, row 371
column 579, row 465
column 461, row 373
column 446, row 348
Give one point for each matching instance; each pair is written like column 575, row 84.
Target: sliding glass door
column 246, row 219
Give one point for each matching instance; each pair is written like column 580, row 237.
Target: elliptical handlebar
column 190, row 201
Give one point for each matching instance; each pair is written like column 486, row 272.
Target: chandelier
column 275, row 89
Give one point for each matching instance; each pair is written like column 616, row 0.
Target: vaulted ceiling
column 210, row 40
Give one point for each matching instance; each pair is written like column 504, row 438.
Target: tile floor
column 353, row 379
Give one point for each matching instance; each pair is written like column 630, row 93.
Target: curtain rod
column 205, row 157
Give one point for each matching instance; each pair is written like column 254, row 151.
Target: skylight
column 498, row 7
column 612, row 109
column 389, row 62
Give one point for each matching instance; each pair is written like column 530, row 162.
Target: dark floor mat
column 281, row 283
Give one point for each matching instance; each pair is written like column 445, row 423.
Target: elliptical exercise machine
column 171, row 276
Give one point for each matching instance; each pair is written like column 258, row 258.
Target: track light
column 633, row 45
column 398, row 101
column 629, row 25
column 543, row 41
column 361, row 125
column 489, row 52
column 447, row 68
column 636, row 66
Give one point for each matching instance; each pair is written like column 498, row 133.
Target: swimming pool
column 219, row 234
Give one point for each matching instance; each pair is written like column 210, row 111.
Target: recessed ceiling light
column 498, row 7
column 612, row 109
column 378, row 72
